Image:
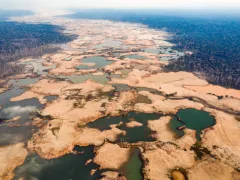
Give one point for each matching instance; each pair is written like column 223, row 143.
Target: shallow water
column 174, row 54
column 98, row 60
column 193, row 119
column 152, row 51
column 50, row 98
column 125, row 71
column 17, row 131
column 132, row 170
column 70, row 166
column 143, row 99
column 38, row 67
column 16, row 89
column 117, row 76
column 135, row 56
column 135, row 134
column 81, row 78
column 121, row 87
column 22, row 132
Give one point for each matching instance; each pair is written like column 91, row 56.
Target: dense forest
column 18, row 40
column 21, row 39
column 215, row 40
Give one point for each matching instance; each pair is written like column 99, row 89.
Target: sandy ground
column 81, row 103
column 133, row 124
column 161, row 128
column 217, row 90
column 112, row 175
column 213, row 169
column 111, row 156
column 11, row 157
column 161, row 160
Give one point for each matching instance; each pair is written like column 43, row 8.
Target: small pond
column 81, row 78
column 70, row 166
column 133, row 134
column 135, row 56
column 98, row 60
column 132, row 169
column 193, row 119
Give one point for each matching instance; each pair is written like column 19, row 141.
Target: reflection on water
column 20, row 130
column 70, row 166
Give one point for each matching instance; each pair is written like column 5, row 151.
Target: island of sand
column 112, row 91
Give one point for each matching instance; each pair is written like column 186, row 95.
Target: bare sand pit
column 159, row 104
column 79, row 104
column 70, row 116
column 223, row 139
column 111, row 156
column 161, row 129
column 61, row 137
column 162, row 160
column 217, row 90
column 209, row 169
column 163, row 133
column 167, row 83
column 11, row 156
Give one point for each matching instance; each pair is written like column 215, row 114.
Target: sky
column 119, row 4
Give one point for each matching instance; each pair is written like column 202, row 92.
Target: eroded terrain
column 108, row 89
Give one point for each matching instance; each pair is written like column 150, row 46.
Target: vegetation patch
column 200, row 151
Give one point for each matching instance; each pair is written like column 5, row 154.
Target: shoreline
column 85, row 100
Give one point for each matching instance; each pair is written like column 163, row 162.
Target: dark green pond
column 193, row 119
column 134, row 134
column 71, row 166
column 74, row 167
column 98, row 60
column 132, row 170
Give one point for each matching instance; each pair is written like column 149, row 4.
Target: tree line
column 19, row 40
